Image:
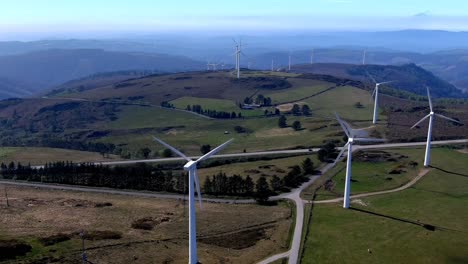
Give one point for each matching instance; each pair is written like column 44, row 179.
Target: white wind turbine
column 237, row 53
column 349, row 146
column 427, row 157
column 191, row 167
column 375, row 94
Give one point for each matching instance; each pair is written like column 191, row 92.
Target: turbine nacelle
column 350, row 140
column 190, row 164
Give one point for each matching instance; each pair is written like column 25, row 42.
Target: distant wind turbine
column 364, row 57
column 312, row 57
column 349, row 145
column 375, row 94
column 193, row 182
column 289, row 63
column 237, row 53
column 272, row 65
column 427, row 157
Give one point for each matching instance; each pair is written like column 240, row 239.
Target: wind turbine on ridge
column 191, row 167
column 431, row 115
column 237, row 53
column 375, row 94
column 352, row 139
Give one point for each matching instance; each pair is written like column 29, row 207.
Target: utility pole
column 6, row 197
column 84, row 256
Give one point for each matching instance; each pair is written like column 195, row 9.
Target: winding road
column 293, row 253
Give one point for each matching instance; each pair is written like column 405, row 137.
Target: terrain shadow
column 424, row 225
column 449, row 172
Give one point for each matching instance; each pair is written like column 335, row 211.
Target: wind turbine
column 349, row 145
column 289, row 63
column 191, row 167
column 375, row 93
column 237, row 53
column 427, row 157
column 364, row 57
column 312, row 57
column 272, row 65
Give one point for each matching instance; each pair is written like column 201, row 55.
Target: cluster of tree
column 259, row 100
column 282, row 123
column 220, row 184
column 327, row 152
column 166, row 104
column 298, row 110
column 236, row 185
column 213, row 113
column 138, row 177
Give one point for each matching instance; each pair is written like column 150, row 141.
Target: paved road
column 294, row 195
column 276, row 152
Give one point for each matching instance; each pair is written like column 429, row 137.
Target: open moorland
column 123, row 229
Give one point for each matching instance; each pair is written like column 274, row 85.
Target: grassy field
column 227, row 233
column 39, row 156
column 256, row 169
column 215, row 104
column 342, row 100
column 301, row 89
column 390, row 228
column 371, row 171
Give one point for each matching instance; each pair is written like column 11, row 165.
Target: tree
column 259, row 99
column 358, row 105
column 205, row 149
column 263, row 190
column 296, row 125
column 277, row 111
column 208, row 186
column 167, row 153
column 145, row 152
column 276, row 183
column 308, row 166
column 247, row 100
column 296, row 110
column 282, row 122
column 327, row 151
column 249, row 185
column 305, row 110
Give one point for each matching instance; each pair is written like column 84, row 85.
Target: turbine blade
column 172, row 148
column 429, row 98
column 370, row 139
column 235, row 41
column 386, row 82
column 340, row 154
column 197, row 185
column 370, row 76
column 448, row 118
column 373, row 93
column 214, row 151
column 420, row 121
column 343, row 125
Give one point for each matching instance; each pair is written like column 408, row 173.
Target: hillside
column 195, row 108
column 45, row 69
column 408, row 77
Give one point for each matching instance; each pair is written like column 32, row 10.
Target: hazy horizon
column 34, row 20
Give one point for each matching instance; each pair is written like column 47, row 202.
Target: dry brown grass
column 227, row 233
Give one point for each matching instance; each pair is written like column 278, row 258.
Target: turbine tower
column 237, row 53
column 375, row 93
column 272, row 65
column 364, row 57
column 312, row 57
column 289, row 63
column 191, row 167
column 431, row 115
column 349, row 146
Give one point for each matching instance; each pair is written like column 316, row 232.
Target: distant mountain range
column 26, row 74
column 451, row 66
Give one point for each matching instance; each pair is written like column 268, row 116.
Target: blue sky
column 167, row 15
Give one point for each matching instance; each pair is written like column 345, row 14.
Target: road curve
column 401, row 188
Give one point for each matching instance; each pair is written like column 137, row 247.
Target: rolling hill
column 408, row 77
column 45, row 69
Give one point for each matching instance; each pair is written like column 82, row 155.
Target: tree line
column 213, row 113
